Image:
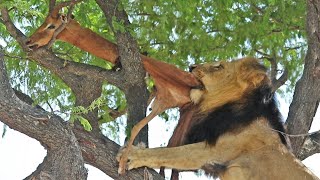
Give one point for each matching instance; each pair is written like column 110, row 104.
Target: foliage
column 184, row 32
column 178, row 32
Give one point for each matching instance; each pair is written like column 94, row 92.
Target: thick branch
column 61, row 159
column 310, row 146
column 307, row 91
column 134, row 73
column 98, row 151
column 50, row 131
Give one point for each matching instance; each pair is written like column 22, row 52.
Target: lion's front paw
column 121, row 154
column 132, row 155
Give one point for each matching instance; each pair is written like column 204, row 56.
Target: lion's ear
column 257, row 78
column 253, row 72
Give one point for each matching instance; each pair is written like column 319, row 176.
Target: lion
column 236, row 132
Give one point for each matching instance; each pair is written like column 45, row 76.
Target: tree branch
column 276, row 83
column 280, row 81
column 52, row 3
column 93, row 148
column 50, row 131
column 310, row 146
column 133, row 71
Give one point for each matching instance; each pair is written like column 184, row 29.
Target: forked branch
column 276, row 83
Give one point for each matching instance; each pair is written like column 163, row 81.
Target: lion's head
column 233, row 95
column 225, row 82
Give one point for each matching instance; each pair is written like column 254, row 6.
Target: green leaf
column 85, row 123
column 118, row 25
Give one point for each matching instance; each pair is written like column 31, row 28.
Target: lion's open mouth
column 197, row 76
column 201, row 85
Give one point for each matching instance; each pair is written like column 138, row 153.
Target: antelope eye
column 51, row 26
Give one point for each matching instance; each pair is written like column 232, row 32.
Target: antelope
column 172, row 85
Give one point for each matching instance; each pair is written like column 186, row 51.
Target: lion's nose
column 192, row 67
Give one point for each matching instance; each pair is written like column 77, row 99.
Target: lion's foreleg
column 187, row 157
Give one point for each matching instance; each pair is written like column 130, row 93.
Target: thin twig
column 293, row 48
column 51, row 5
column 295, row 135
column 15, row 57
column 265, row 55
column 49, row 105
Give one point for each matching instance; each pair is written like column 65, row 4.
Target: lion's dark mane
column 232, row 116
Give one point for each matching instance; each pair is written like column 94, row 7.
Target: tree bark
column 134, row 73
column 310, row 146
column 307, row 91
column 64, row 157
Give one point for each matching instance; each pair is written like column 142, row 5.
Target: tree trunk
column 307, row 91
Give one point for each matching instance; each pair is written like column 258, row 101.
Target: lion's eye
column 51, row 26
column 219, row 67
column 216, row 67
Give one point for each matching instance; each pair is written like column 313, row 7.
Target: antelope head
column 45, row 32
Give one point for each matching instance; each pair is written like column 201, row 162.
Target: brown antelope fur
column 234, row 132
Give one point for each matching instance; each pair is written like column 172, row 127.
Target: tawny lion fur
column 251, row 152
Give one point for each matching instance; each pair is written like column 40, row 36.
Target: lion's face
column 224, row 82
column 215, row 75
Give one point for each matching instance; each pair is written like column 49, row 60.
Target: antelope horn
column 55, row 12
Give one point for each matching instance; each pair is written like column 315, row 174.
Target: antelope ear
column 64, row 18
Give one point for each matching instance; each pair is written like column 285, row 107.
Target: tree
column 178, row 32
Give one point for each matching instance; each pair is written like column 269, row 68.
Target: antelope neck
column 89, row 41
